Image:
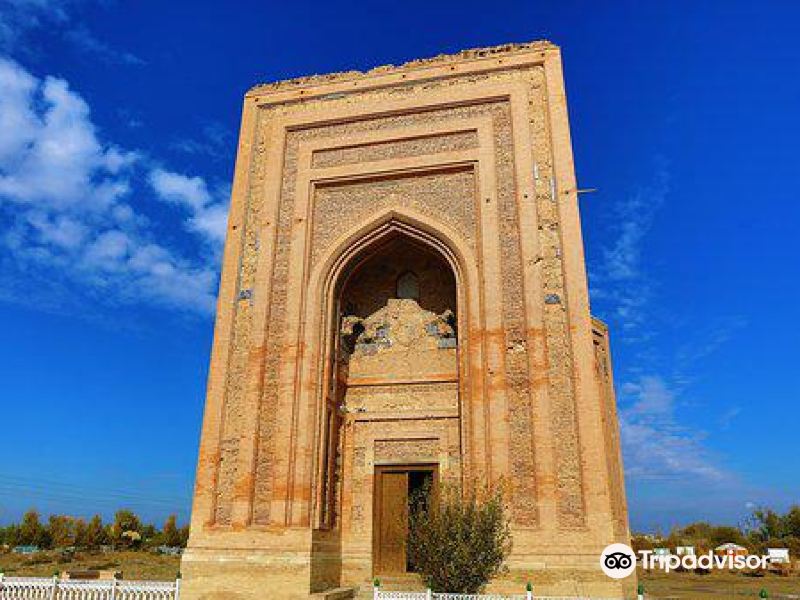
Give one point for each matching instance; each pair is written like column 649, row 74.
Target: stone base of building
column 243, row 575
column 249, row 574
column 579, row 582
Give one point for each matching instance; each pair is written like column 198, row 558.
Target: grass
column 717, row 585
column 132, row 565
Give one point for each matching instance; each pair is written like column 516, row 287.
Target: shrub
column 458, row 542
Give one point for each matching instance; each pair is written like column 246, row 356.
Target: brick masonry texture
column 458, row 171
column 398, row 149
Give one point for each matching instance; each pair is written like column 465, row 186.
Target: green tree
column 791, row 521
column 126, row 524
column 96, row 534
column 170, row 536
column 457, row 542
column 704, row 536
column 183, row 536
column 11, row 535
column 149, row 534
column 126, row 520
column 766, row 524
column 108, row 528
column 721, row 534
column 769, row 528
column 31, row 530
column 697, row 534
column 80, row 533
column 61, row 530
column 641, row 541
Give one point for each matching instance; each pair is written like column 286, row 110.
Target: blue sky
column 118, row 124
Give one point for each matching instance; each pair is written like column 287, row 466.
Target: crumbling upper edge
column 598, row 323
column 342, row 76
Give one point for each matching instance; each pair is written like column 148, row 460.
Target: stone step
column 341, row 593
column 407, row 582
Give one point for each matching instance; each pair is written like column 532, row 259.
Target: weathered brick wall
column 611, row 434
column 450, row 198
column 467, row 159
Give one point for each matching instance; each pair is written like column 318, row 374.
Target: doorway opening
column 396, row 487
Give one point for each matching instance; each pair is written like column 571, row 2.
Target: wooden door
column 391, row 521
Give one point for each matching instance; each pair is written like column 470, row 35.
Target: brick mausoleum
column 404, row 298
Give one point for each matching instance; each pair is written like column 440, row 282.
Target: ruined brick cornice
column 312, row 85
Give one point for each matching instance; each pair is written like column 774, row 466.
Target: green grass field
column 132, row 565
column 717, row 585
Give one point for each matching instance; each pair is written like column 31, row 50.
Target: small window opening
column 408, row 286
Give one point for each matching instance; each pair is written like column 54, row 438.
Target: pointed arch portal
column 392, row 378
column 392, row 356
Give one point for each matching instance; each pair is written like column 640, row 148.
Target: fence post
column 113, row 594
column 529, row 591
column 376, row 589
column 640, row 591
column 54, row 589
column 428, row 594
column 177, row 586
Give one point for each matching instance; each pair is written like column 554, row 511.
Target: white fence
column 52, row 588
column 379, row 594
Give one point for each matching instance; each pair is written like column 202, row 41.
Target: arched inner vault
column 397, row 320
column 393, row 364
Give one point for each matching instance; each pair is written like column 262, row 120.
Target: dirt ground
column 132, row 565
column 717, row 585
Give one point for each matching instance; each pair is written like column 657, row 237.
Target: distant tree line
column 127, row 532
column 764, row 529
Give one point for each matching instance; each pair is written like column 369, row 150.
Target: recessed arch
column 325, row 279
column 391, row 221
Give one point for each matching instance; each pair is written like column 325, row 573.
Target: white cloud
column 212, row 222
column 53, row 155
column 84, row 40
column 215, row 141
column 713, row 336
column 652, row 396
column 61, row 230
column 17, row 121
column 619, row 280
column 728, row 416
column 65, row 211
column 107, row 251
column 180, row 189
column 657, row 443
column 635, row 216
column 207, row 216
column 654, row 444
column 21, row 17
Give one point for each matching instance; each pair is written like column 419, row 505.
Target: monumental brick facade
column 403, row 296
